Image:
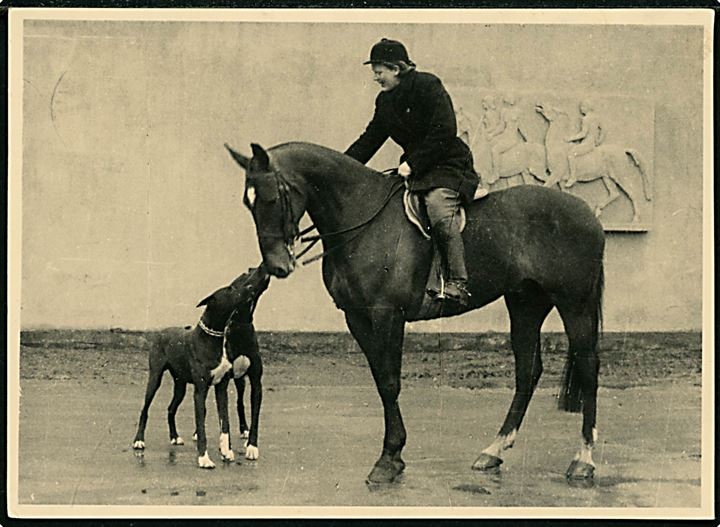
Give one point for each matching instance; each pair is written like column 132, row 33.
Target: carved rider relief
column 597, row 149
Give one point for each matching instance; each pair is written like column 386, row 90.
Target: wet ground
column 321, row 427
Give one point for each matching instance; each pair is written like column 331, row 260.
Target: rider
column 590, row 136
column 507, row 134
column 414, row 110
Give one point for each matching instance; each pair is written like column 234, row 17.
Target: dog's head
column 241, row 295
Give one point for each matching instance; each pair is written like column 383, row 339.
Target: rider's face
column 387, row 77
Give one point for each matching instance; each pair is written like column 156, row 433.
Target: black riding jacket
column 418, row 115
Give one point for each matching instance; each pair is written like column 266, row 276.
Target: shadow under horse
column 536, row 247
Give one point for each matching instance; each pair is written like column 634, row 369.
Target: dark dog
column 204, row 357
column 243, row 351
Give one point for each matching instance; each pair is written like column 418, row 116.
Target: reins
column 312, row 240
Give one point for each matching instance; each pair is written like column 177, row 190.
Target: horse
column 605, row 163
column 525, row 159
column 536, row 247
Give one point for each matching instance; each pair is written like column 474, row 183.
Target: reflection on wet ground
column 321, row 452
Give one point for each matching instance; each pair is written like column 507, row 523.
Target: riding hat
column 390, row 51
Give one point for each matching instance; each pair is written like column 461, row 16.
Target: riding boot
column 449, row 240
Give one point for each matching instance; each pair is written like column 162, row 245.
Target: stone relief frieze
column 598, row 149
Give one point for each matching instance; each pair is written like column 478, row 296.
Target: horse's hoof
column 399, row 465
column 228, row 456
column 579, row 470
column 194, row 437
column 177, row 441
column 205, row 461
column 487, row 463
column 385, row 471
column 139, row 445
column 252, row 452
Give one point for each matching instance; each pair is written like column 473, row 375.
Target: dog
column 204, row 356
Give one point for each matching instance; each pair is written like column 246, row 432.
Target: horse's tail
column 642, row 167
column 570, row 399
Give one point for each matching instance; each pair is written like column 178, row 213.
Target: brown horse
column 537, row 247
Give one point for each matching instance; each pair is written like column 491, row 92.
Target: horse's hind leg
column 580, row 382
column 528, row 310
column 178, row 395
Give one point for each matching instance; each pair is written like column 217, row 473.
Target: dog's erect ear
column 260, row 157
column 238, row 157
column 205, row 300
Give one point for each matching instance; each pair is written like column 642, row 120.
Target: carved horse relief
column 606, row 162
column 521, row 158
column 521, row 141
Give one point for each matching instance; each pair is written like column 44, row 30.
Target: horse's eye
column 250, row 196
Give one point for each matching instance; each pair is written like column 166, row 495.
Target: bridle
column 291, row 231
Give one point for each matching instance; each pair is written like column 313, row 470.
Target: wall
column 131, row 206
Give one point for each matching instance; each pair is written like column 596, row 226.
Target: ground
column 321, row 427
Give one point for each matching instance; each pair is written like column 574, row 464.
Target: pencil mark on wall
column 52, row 103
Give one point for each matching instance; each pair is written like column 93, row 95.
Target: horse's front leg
column 380, row 334
column 255, row 375
column 221, row 400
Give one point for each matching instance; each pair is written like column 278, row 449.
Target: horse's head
column 276, row 205
column 241, row 295
column 550, row 114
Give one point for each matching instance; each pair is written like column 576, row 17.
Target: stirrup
column 455, row 291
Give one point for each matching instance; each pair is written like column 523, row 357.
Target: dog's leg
column 221, row 400
column 255, row 375
column 178, row 396
column 200, row 395
column 154, row 380
column 240, row 388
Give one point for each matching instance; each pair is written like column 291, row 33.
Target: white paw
column 245, row 435
column 139, row 445
column 205, row 462
column 225, row 450
column 251, row 452
column 177, row 441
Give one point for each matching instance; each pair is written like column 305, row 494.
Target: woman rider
column 414, row 110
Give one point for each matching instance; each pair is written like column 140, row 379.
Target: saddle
column 416, row 214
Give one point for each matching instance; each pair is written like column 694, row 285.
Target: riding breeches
column 443, row 203
column 443, row 209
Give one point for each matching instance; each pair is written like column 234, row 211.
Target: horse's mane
column 348, row 164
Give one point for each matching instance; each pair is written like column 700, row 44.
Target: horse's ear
column 238, row 157
column 260, row 156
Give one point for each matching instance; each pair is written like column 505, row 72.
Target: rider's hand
column 404, row 170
